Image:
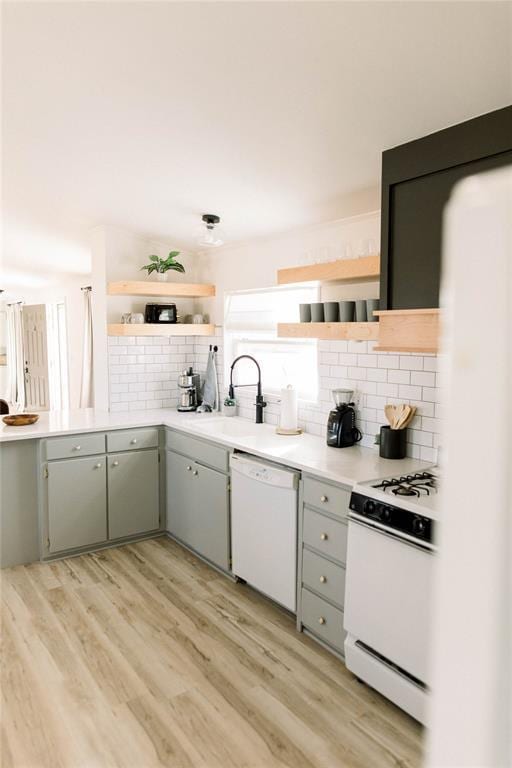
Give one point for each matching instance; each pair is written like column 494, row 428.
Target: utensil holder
column 393, row 443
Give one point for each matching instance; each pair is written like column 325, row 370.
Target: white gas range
column 389, row 583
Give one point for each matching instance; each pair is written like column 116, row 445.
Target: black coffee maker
column 341, row 424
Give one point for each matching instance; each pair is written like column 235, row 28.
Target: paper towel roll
column 288, row 417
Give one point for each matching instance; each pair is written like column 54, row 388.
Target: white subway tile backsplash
column 390, row 390
column 377, row 374
column 411, row 362
column 367, row 361
column 399, row 377
column 428, row 454
column 377, row 378
column 388, row 361
column 423, row 378
column 409, row 393
column 347, row 359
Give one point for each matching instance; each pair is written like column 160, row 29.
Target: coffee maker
column 189, row 384
column 341, row 424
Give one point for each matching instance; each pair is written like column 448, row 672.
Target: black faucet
column 260, row 403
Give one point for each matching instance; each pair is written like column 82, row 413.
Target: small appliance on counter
column 189, row 384
column 341, row 424
column 161, row 313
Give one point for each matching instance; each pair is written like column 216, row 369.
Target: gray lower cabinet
column 133, row 493
column 19, row 521
column 77, row 503
column 91, row 495
column 198, row 508
column 322, row 558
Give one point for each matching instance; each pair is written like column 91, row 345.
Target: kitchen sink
column 230, row 427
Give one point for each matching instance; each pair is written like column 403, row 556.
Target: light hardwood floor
column 143, row 656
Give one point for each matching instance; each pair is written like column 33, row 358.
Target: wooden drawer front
column 74, row 446
column 199, row 450
column 323, row 619
column 132, row 439
column 325, row 534
column 324, row 496
column 324, row 577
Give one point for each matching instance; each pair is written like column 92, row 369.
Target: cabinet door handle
column 189, row 468
column 97, row 466
column 323, row 579
column 324, row 499
column 195, row 472
column 324, row 536
column 77, row 448
column 115, row 463
column 321, row 620
column 134, row 441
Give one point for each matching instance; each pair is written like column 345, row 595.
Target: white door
column 36, row 358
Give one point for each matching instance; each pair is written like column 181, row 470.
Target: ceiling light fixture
column 210, row 237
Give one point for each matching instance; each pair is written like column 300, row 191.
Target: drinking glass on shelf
column 363, row 247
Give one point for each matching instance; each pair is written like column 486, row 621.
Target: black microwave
column 160, row 313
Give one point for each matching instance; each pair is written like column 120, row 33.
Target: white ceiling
column 272, row 115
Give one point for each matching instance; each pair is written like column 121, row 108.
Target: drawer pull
column 115, row 464
column 195, row 472
column 323, row 579
column 321, row 620
column 324, row 499
column 97, row 466
column 189, row 468
column 77, row 448
column 324, row 536
column 134, row 441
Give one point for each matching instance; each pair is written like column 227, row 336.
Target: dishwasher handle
column 263, row 473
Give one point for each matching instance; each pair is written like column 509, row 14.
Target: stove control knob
column 419, row 526
column 385, row 514
column 369, row 507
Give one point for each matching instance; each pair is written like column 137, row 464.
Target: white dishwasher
column 264, row 527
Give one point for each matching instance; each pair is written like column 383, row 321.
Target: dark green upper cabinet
column 417, row 180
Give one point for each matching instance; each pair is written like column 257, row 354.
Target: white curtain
column 86, row 390
column 15, row 357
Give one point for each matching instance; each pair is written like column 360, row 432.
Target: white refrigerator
column 470, row 717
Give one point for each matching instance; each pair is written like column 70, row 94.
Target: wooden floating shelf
column 332, row 331
column 365, row 268
column 161, row 329
column 154, row 288
column 409, row 330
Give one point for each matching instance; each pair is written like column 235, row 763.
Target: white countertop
column 308, row 453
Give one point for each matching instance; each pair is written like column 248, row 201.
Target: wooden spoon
column 405, row 413
column 389, row 410
column 410, row 417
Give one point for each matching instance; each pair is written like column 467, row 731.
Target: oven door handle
column 391, row 535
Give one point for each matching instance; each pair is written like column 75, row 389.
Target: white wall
column 254, row 264
column 118, row 254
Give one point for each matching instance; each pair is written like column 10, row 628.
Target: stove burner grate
column 420, row 483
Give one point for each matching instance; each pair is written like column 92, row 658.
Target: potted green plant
column 162, row 266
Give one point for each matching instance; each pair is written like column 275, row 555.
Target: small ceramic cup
column 361, row 316
column 305, row 313
column 331, row 311
column 197, row 319
column 317, row 312
column 137, row 318
column 372, row 306
column 347, row 309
